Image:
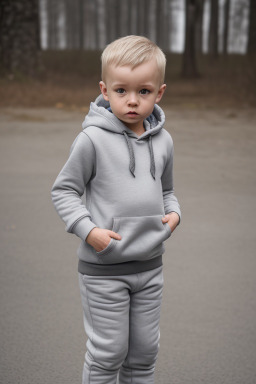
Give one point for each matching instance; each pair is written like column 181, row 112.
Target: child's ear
column 160, row 93
column 104, row 90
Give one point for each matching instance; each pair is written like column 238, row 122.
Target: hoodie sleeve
column 70, row 184
column 170, row 200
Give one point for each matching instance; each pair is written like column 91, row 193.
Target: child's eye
column 144, row 91
column 120, row 90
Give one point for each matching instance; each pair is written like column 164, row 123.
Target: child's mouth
column 132, row 113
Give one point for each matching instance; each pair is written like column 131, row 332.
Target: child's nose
column 133, row 100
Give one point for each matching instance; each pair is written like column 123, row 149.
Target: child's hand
column 99, row 238
column 172, row 219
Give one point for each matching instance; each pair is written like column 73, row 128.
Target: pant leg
column 145, row 302
column 106, row 320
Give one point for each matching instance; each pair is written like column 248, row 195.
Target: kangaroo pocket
column 142, row 239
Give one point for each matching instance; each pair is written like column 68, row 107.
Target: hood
column 100, row 115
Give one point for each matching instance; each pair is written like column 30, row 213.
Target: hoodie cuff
column 83, row 228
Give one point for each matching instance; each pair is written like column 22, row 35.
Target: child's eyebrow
column 119, row 84
column 142, row 85
column 147, row 85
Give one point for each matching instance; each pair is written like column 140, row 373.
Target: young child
column 122, row 161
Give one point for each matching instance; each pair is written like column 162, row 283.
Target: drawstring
column 131, row 153
column 132, row 157
column 152, row 159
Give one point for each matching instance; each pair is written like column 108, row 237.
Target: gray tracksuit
column 129, row 187
column 117, row 180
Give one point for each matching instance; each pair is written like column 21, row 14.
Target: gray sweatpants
column 121, row 320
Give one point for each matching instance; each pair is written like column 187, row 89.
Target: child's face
column 132, row 93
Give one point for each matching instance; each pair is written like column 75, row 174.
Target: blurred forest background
column 50, row 49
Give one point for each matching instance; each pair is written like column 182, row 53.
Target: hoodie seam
column 167, row 159
column 95, row 169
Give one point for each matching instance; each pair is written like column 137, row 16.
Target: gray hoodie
column 117, row 180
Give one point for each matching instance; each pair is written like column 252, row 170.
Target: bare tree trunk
column 107, row 21
column 129, row 17
column 52, row 32
column 199, row 26
column 102, row 26
column 81, row 24
column 214, row 28
column 146, row 26
column 152, row 19
column 117, row 17
column 111, row 20
column 75, row 24
column 251, row 46
column 73, row 27
column 90, row 25
column 142, row 10
column 226, row 26
column 163, row 24
column 95, row 19
column 134, row 17
column 68, row 26
column 166, row 25
column 19, row 36
column 189, row 67
column 159, row 22
column 141, row 17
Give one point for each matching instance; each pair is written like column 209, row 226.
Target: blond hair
column 132, row 50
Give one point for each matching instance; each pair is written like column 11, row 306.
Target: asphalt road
column 208, row 324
